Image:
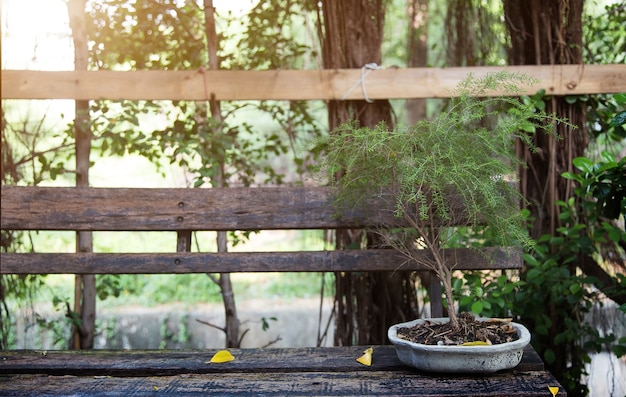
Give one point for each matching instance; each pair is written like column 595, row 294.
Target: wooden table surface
column 331, row 371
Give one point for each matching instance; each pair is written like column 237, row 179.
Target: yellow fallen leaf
column 554, row 390
column 366, row 358
column 222, row 356
column 476, row 343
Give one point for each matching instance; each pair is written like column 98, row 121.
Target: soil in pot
column 472, row 332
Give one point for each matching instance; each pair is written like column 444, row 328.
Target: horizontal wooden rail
column 172, row 209
column 116, row 209
column 247, row 262
column 230, row 85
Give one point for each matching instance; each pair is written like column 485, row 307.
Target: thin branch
column 211, row 325
column 272, row 342
column 243, row 334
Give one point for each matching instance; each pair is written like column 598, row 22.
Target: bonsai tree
column 456, row 169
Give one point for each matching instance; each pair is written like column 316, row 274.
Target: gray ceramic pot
column 459, row 359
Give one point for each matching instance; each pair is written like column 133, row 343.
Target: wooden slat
column 308, row 261
column 123, row 209
column 329, row 383
column 164, row 362
column 295, row 84
column 103, row 209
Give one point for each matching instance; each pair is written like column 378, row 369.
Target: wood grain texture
column 175, row 362
column 254, row 372
column 176, row 210
column 56, row 208
column 294, row 261
column 232, row 85
column 363, row 384
column 218, row 209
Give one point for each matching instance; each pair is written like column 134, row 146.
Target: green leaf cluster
column 486, row 294
column 605, row 35
column 554, row 296
column 605, row 181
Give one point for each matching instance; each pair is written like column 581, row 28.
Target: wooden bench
column 300, row 371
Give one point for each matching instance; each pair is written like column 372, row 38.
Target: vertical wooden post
column 183, row 241
column 429, row 280
column 85, row 285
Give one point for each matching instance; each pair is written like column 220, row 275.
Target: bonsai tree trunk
column 444, row 273
column 440, row 266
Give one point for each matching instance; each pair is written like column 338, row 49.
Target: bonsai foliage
column 456, row 169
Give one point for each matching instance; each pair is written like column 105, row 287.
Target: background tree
column 474, row 34
column 552, row 33
column 207, row 138
column 32, row 152
column 548, row 34
column 85, row 284
column 417, row 53
column 351, row 34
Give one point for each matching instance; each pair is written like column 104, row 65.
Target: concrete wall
column 289, row 324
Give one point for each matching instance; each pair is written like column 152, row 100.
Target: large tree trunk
column 471, row 39
column 549, row 32
column 367, row 303
column 85, row 284
column 417, row 53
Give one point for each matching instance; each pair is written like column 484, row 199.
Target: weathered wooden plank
column 171, row 362
column 57, row 208
column 298, row 261
column 124, row 209
column 228, row 85
column 295, row 371
column 370, row 383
